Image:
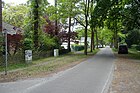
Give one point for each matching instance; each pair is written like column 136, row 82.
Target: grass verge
column 114, row 50
column 43, row 67
column 132, row 53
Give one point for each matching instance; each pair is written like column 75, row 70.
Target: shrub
column 137, row 47
column 28, row 44
column 47, row 43
column 63, row 51
column 78, row 47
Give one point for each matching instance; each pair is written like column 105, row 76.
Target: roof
column 10, row 29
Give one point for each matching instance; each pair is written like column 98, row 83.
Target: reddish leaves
column 49, row 28
column 14, row 43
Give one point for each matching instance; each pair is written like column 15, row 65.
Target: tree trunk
column 92, row 30
column 116, row 35
column 85, row 46
column 36, row 26
column 102, row 42
column 0, row 16
column 86, row 24
column 111, row 45
column 96, row 39
column 92, row 40
column 116, row 39
column 56, row 29
column 69, row 34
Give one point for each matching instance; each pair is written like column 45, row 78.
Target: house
column 11, row 29
column 83, row 40
column 14, row 37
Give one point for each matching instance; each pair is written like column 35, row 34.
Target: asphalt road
column 90, row 76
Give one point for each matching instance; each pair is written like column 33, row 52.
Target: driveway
column 90, row 76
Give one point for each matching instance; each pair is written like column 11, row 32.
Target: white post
column 28, row 56
column 56, row 52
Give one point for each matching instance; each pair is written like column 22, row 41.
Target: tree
column 70, row 7
column 0, row 16
column 36, row 22
column 108, row 10
column 105, row 36
column 133, row 37
column 131, row 22
column 63, row 36
column 56, row 23
column 15, row 14
column 91, row 26
column 49, row 27
column 14, row 43
column 1, row 25
column 98, row 16
column 66, row 11
column 131, row 15
column 83, row 19
column 36, row 13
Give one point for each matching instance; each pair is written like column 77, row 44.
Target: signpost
column 5, row 35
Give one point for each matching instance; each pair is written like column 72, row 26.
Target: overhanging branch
column 79, row 22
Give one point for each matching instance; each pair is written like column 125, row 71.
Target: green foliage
column 47, row 43
column 15, row 14
column 133, row 53
column 135, row 47
column 99, row 13
column 131, row 15
column 121, row 38
column 63, row 10
column 28, row 44
column 105, row 36
column 117, row 15
column 138, row 47
column 51, row 11
column 133, row 37
column 28, row 35
column 78, row 47
column 81, row 33
column 35, row 19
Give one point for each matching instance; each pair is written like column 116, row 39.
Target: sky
column 24, row 1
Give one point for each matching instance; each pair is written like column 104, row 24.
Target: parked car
column 123, row 49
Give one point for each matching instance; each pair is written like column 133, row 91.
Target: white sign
column 28, row 55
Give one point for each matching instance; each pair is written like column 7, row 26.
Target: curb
column 109, row 80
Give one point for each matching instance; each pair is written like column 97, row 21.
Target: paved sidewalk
column 90, row 76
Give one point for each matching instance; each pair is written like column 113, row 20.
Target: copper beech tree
column 62, row 35
column 14, row 43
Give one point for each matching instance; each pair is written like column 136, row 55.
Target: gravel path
column 126, row 77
